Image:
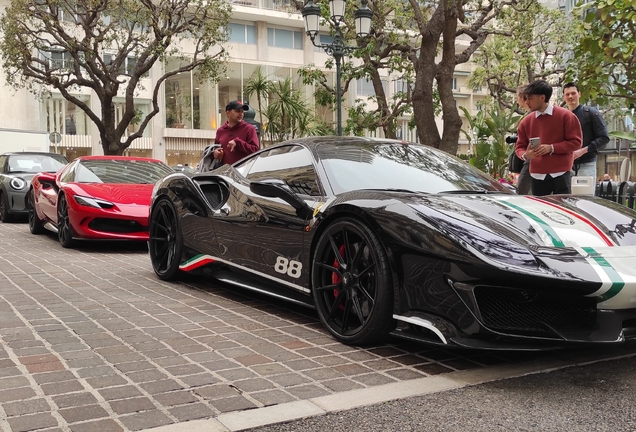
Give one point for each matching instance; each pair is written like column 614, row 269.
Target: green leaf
column 615, row 43
column 622, row 135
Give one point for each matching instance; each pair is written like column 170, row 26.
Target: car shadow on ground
column 104, row 246
column 448, row 359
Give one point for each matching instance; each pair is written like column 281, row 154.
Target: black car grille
column 116, row 225
column 532, row 312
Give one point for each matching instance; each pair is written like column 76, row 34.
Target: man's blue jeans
column 587, row 169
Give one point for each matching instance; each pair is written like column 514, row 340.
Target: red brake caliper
column 335, row 277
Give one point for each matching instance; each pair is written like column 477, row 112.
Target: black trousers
column 552, row 185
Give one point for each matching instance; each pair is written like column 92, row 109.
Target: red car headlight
column 93, row 202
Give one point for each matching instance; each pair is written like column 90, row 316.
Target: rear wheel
column 4, row 208
column 165, row 244
column 35, row 224
column 64, row 229
column 351, row 283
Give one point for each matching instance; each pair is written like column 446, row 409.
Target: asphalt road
column 595, row 397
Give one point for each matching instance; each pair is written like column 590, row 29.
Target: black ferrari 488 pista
column 386, row 237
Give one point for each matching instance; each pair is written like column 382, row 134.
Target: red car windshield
column 120, row 171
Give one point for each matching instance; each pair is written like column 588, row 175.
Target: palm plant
column 286, row 112
column 260, row 86
column 477, row 137
column 288, row 105
column 501, row 122
column 489, row 129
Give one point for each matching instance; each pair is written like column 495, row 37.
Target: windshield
column 120, row 171
column 397, row 166
column 35, row 163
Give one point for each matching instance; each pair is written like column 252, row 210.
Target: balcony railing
column 75, row 141
column 85, row 141
column 276, row 5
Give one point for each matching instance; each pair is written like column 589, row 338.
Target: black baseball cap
column 236, row 104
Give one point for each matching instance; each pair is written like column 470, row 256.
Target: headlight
column 18, row 183
column 93, row 202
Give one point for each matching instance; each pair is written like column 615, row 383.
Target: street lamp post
column 337, row 48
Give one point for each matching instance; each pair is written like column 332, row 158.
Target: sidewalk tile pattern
column 91, row 340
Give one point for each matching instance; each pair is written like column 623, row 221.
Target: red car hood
column 124, row 194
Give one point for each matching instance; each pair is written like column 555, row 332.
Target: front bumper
column 16, row 201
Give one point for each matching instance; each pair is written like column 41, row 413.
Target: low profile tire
column 165, row 244
column 64, row 230
column 351, row 283
column 4, row 208
column 35, row 224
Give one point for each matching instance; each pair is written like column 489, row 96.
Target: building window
column 454, row 83
column 241, row 33
column 364, row 87
column 141, row 110
column 65, row 117
column 323, row 39
column 284, row 38
column 402, row 86
column 58, row 59
column 129, row 64
column 66, row 16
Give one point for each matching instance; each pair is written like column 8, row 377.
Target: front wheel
column 64, row 228
column 35, row 224
column 165, row 244
column 4, row 209
column 352, row 284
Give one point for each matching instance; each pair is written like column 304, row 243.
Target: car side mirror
column 274, row 188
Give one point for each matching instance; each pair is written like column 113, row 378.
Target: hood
column 25, row 176
column 556, row 221
column 123, row 194
column 566, row 237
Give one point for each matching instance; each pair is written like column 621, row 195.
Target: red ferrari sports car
column 95, row 197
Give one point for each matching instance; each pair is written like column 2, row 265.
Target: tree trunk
column 450, row 114
column 423, row 100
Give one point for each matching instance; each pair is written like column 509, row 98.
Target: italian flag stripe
column 554, row 237
column 615, row 280
column 196, row 262
column 601, row 234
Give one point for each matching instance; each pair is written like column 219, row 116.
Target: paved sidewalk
column 91, row 340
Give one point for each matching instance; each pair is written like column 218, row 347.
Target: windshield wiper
column 468, row 192
column 399, row 190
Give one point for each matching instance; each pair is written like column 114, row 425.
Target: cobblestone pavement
column 91, row 340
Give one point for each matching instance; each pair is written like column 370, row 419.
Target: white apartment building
column 265, row 34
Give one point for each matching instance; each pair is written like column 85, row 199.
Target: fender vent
column 120, row 226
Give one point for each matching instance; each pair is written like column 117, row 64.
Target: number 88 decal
column 289, row 267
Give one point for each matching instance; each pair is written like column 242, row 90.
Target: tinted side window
column 291, row 164
column 3, row 160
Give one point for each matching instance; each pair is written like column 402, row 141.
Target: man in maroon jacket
column 237, row 138
column 559, row 134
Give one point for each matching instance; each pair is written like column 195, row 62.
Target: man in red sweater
column 559, row 132
column 237, row 138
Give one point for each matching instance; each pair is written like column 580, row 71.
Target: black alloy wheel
column 352, row 284
column 35, row 224
column 4, row 208
column 165, row 244
column 64, row 228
